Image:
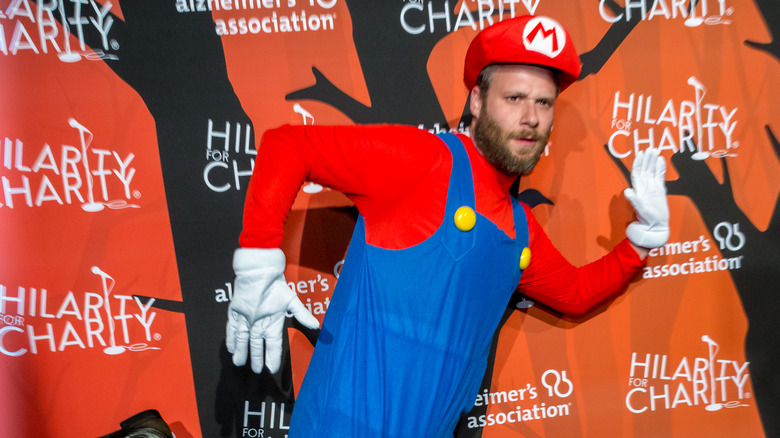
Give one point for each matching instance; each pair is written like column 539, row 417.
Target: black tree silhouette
column 176, row 64
column 755, row 281
column 771, row 14
column 757, row 277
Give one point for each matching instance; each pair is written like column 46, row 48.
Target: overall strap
column 459, row 194
column 461, row 188
column 521, row 223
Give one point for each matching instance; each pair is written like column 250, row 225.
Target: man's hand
column 648, row 197
column 261, row 301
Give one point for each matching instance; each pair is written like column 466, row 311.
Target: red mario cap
column 523, row 40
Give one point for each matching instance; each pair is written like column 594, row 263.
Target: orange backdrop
column 128, row 132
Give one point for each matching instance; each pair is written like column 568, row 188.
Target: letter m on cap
column 544, row 35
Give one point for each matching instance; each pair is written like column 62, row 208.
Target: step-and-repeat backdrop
column 127, row 138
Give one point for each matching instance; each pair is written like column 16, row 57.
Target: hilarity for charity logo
column 230, row 155
column 109, row 322
column 421, row 16
column 640, row 122
column 694, row 12
column 48, row 26
column 95, row 178
column 660, row 382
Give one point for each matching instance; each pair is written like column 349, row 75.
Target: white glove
column 648, row 197
column 261, row 300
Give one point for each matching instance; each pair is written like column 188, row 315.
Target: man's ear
column 475, row 101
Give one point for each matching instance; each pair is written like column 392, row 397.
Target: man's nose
column 528, row 114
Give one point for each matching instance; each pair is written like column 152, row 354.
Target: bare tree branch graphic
column 394, row 66
column 595, row 59
column 771, row 14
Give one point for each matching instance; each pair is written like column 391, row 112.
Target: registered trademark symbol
column 157, row 336
column 136, row 194
column 115, row 44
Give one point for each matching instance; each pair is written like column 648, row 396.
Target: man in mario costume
column 438, row 249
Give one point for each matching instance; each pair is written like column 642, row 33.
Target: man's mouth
column 526, row 139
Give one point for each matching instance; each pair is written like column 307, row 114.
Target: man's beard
column 493, row 142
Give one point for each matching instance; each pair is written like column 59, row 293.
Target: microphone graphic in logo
column 67, row 56
column 700, row 90
column 86, row 138
column 310, row 187
column 304, row 114
column 713, row 349
column 113, row 348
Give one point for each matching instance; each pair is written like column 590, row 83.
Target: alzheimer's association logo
column 544, row 35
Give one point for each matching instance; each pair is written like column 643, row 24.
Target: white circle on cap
column 544, row 35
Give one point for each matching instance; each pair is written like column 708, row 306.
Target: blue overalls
column 405, row 340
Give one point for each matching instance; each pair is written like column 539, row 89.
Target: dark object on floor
column 147, row 424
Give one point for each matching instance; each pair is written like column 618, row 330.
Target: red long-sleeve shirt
column 397, row 176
